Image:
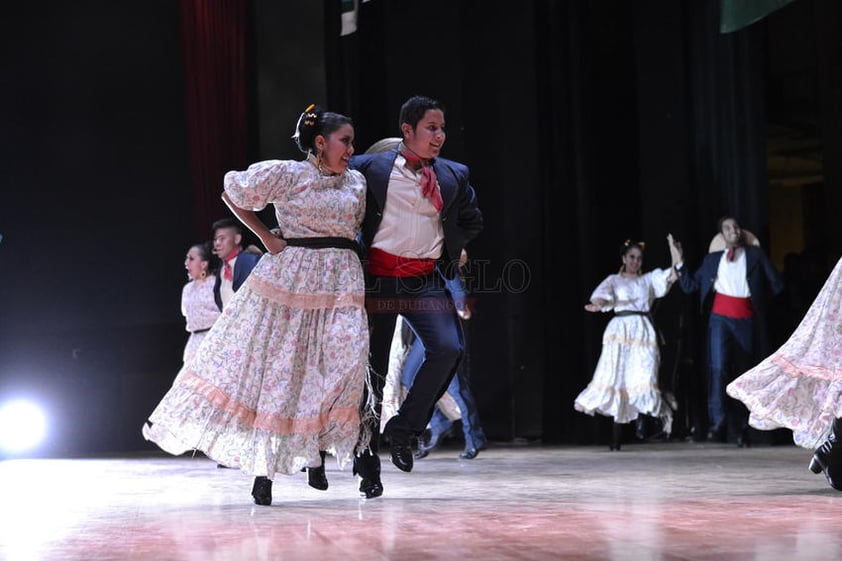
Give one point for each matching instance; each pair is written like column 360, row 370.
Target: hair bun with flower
column 628, row 244
column 307, row 127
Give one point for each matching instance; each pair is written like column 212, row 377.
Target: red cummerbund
column 384, row 264
column 732, row 307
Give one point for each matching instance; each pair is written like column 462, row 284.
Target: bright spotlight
column 22, row 426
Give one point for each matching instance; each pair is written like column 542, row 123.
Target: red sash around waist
column 384, row 264
column 732, row 307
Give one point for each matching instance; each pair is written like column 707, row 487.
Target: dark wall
column 584, row 124
column 95, row 213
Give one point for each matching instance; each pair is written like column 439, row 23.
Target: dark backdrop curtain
column 214, row 40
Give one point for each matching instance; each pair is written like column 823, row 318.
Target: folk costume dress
column 799, row 386
column 280, row 375
column 200, row 312
column 625, row 381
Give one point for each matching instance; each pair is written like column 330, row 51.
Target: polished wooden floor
column 673, row 501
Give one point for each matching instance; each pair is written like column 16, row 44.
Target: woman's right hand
column 274, row 244
column 595, row 305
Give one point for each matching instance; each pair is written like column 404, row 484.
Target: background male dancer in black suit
column 237, row 262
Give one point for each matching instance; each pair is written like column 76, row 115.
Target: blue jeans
column 459, row 389
column 730, row 353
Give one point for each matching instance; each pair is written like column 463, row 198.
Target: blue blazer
column 242, row 267
column 764, row 282
column 460, row 217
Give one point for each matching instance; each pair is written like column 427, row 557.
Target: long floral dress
column 799, row 386
column 198, row 306
column 625, row 381
column 281, row 373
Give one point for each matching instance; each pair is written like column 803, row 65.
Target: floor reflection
column 664, row 501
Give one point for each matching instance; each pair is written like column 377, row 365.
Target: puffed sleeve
column 262, row 183
column 361, row 201
column 184, row 303
column 606, row 292
column 660, row 281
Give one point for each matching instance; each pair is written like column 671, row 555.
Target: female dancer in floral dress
column 278, row 381
column 799, row 386
column 197, row 301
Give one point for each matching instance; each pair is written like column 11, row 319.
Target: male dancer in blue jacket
column 421, row 210
column 734, row 286
column 237, row 263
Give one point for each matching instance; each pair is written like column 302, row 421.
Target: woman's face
column 194, row 264
column 428, row 136
column 337, row 149
column 633, row 261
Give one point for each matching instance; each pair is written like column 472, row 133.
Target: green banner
column 737, row 14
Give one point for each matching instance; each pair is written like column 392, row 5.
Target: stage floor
column 669, row 501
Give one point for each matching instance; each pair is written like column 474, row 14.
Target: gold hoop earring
column 204, row 274
column 320, row 164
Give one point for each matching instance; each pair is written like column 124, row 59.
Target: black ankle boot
column 828, row 457
column 262, row 490
column 316, row 477
column 367, row 466
column 616, row 437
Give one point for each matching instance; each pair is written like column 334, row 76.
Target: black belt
column 322, row 243
column 648, row 316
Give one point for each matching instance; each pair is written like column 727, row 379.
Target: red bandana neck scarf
column 227, row 272
column 429, row 183
column 731, row 253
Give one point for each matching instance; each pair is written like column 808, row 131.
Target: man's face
column 731, row 232
column 428, row 136
column 224, row 242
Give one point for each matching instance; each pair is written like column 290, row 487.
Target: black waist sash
column 648, row 316
column 322, row 243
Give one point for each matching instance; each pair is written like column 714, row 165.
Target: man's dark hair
column 413, row 109
column 723, row 219
column 228, row 223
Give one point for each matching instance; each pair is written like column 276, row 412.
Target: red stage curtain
column 216, row 81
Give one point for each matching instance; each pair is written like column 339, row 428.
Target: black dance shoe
column 717, row 434
column 370, row 488
column 828, row 458
column 616, row 437
column 744, row 439
column 400, row 446
column 469, row 454
column 422, row 453
column 316, row 477
column 262, row 491
column 640, row 428
column 402, row 455
column 367, row 466
column 427, row 442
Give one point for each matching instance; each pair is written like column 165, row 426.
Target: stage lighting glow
column 23, row 426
